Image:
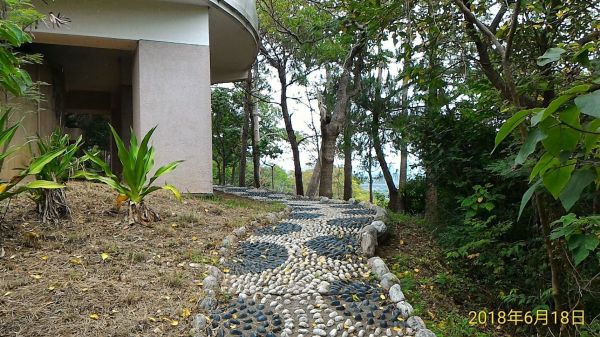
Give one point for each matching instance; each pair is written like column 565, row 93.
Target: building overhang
column 232, row 34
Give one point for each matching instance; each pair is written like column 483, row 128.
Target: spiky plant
column 52, row 204
column 137, row 163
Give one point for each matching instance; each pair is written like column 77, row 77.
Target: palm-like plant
column 52, row 203
column 137, row 162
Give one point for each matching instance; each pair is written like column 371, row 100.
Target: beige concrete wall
column 129, row 20
column 36, row 119
column 171, row 89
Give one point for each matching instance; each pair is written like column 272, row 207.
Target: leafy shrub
column 137, row 163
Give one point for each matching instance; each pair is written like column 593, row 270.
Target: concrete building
column 137, row 64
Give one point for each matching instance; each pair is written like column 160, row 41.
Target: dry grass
column 55, row 282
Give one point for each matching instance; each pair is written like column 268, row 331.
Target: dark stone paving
column 279, row 229
column 256, row 257
column 333, row 246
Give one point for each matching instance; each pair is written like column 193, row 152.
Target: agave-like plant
column 137, row 162
column 52, row 203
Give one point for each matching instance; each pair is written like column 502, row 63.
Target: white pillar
column 171, row 89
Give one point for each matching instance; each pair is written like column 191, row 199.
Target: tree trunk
column 233, row 174
column 224, row 171
column 313, row 185
column 247, row 114
column 347, row 161
column 370, row 172
column 255, row 137
column 389, row 180
column 331, row 125
column 291, row 134
column 327, row 158
column 430, row 197
column 403, row 178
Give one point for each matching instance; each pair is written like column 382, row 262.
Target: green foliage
column 582, row 235
column 61, row 168
column 569, row 132
column 17, row 15
column 10, row 188
column 137, row 162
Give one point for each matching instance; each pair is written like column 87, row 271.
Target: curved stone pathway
column 304, row 277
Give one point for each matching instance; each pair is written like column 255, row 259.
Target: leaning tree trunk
column 327, row 158
column 389, row 181
column 313, row 184
column 139, row 213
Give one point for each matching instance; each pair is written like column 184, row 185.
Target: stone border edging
column 369, row 236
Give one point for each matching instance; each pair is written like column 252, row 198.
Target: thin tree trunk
column 247, row 114
column 291, row 134
column 403, row 148
column 370, row 172
column 233, row 174
column 431, row 197
column 389, row 180
column 224, row 171
column 255, row 135
column 347, row 161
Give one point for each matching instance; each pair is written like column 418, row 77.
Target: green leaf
column 578, row 89
column 44, row 184
column 173, row 190
column 528, row 147
column 579, row 181
column 552, row 107
column 527, row 196
column 547, row 161
column 581, row 245
column 38, row 164
column 164, row 170
column 557, row 178
column 589, row 104
column 590, row 139
column 510, row 125
column 551, row 55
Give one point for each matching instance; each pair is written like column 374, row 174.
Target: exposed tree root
column 141, row 214
column 53, row 205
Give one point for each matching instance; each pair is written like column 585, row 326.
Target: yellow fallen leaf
column 104, row 256
column 37, row 277
column 174, row 323
column 7, row 293
column 401, row 242
column 174, row 225
column 194, row 238
column 416, row 270
column 77, row 261
column 382, row 296
column 51, row 288
column 45, row 257
column 397, row 328
column 185, row 313
column 94, row 316
column 152, row 319
column 226, row 270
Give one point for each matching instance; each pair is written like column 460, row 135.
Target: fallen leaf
column 226, row 270
column 45, row 257
column 94, row 316
column 185, row 313
column 382, row 296
column 194, row 238
column 152, row 319
column 416, row 270
column 174, row 225
column 37, row 277
column 77, row 261
column 51, row 288
column 174, row 323
column 104, row 256
column 7, row 293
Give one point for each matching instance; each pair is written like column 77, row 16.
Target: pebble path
column 304, row 277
